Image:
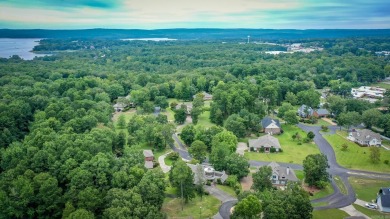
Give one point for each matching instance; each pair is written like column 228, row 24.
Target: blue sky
column 157, row 14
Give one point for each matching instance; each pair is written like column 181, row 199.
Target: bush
column 238, row 191
column 262, row 149
column 194, row 161
column 344, row 147
column 173, row 156
column 306, row 140
column 206, row 192
column 324, row 128
column 208, row 183
column 273, row 150
column 219, row 181
column 299, row 142
column 280, row 150
column 231, row 181
column 252, row 149
column 386, row 161
column 173, row 105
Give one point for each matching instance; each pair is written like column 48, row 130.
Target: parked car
column 371, row 205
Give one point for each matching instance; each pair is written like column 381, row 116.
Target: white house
column 365, row 137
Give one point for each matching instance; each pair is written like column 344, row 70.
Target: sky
column 160, row 14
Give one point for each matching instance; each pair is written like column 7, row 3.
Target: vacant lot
column 366, row 189
column 356, row 157
column 292, row 152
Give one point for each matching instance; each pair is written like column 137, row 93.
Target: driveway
column 165, row 168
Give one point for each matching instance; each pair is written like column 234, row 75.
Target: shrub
column 344, row 147
column 194, row 161
column 219, row 181
column 299, row 142
column 173, row 105
column 208, row 183
column 324, row 128
column 252, row 149
column 386, row 161
column 273, row 150
column 237, row 191
column 306, row 140
column 173, row 156
column 262, row 149
column 280, row 150
column 231, row 181
column 206, row 192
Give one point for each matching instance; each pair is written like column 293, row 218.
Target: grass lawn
column 318, row 204
column 340, row 185
column 195, row 208
column 320, row 122
column 329, row 213
column 292, row 152
column 168, row 161
column 357, row 157
column 381, row 85
column 299, row 174
column 204, row 120
column 366, row 189
column 323, row 192
column 227, row 189
column 371, row 213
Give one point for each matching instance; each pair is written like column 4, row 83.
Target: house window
column 273, row 177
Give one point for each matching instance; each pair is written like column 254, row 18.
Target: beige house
column 266, row 142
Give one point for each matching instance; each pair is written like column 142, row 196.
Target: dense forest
column 61, row 155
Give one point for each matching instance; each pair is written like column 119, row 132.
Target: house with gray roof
column 271, row 126
column 383, row 200
column 206, row 96
column 149, row 157
column 365, row 137
column 320, row 113
column 266, row 142
column 281, row 175
column 305, row 111
column 208, row 173
column 186, row 106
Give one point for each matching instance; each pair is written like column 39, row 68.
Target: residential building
column 271, row 126
column 281, row 175
column 186, row 106
column 266, row 142
column 206, row 96
column 320, row 113
column 365, row 137
column 305, row 111
column 149, row 157
column 370, row 92
column 208, row 173
column 119, row 107
column 383, row 200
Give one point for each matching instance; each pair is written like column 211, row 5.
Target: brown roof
column 267, row 141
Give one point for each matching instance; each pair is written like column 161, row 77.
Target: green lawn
column 168, row 161
column 292, row 152
column 195, row 208
column 227, row 189
column 329, row 213
column 366, row 189
column 357, row 157
column 318, row 204
column 371, row 213
column 381, row 85
column 299, row 174
column 204, row 120
column 340, row 185
column 319, row 123
column 328, row 190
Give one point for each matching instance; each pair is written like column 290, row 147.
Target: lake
column 20, row 47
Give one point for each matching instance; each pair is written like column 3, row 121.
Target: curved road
column 335, row 200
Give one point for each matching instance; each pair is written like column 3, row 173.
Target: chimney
column 288, row 170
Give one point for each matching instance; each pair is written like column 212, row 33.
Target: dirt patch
column 310, row 189
column 127, row 114
column 246, row 183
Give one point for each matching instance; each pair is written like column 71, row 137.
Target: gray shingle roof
column 148, row 153
column 268, row 121
column 266, row 141
column 283, row 172
column 385, row 197
column 148, row 164
column 322, row 112
column 365, row 135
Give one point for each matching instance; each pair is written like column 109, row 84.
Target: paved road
column 181, row 150
column 227, row 201
column 337, row 199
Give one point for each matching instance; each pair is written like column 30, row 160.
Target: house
column 305, row 111
column 281, row 175
column 320, row 113
column 365, row 137
column 271, row 126
column 365, row 91
column 208, row 173
column 119, row 107
column 206, row 96
column 383, row 200
column 149, row 157
column 266, row 142
column 187, row 106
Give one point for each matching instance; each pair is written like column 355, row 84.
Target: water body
column 149, row 39
column 20, row 47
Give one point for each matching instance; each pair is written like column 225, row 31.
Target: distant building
column 383, row 200
column 209, row 173
column 365, row 137
column 266, row 142
column 271, row 126
column 206, row 96
column 370, row 92
column 149, row 157
column 320, row 113
column 281, row 175
column 186, row 106
column 305, row 112
column 119, row 107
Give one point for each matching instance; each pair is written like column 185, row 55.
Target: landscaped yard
column 299, row 174
column 366, row 189
column 227, row 189
column 329, row 213
column 328, row 190
column 357, row 157
column 204, row 119
column 195, row 208
column 320, row 122
column 292, row 152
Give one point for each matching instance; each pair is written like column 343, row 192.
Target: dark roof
column 322, row 112
column 385, row 196
column 267, row 121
